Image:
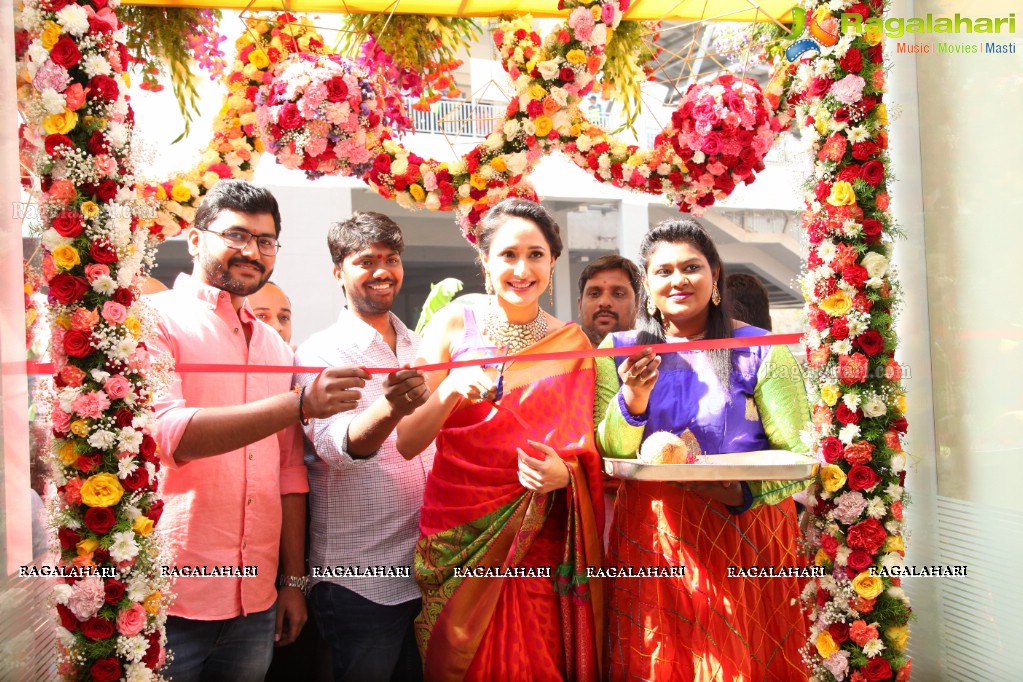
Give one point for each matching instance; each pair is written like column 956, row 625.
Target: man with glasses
column 234, row 481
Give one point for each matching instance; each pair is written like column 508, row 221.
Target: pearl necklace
column 513, row 337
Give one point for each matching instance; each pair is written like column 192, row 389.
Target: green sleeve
column 618, row 435
column 780, row 397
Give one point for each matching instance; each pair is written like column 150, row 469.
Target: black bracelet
column 304, row 420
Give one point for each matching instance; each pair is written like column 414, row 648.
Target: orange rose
column 550, row 107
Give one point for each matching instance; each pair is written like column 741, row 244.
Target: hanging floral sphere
column 722, row 130
column 320, row 114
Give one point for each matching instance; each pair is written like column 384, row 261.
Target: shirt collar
column 364, row 335
column 211, row 295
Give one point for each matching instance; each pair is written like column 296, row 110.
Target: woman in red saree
column 508, row 523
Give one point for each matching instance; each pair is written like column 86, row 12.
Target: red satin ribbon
column 33, row 367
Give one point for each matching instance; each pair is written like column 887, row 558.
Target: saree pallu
column 704, row 625
column 477, row 516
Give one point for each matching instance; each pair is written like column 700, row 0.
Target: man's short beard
column 219, row 277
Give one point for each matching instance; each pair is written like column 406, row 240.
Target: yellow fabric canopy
column 641, row 10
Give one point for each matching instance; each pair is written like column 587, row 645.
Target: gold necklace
column 513, row 337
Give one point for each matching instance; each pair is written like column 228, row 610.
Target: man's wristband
column 302, row 417
column 298, row 581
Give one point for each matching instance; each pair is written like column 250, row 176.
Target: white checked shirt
column 364, row 512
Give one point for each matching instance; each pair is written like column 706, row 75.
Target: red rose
column 136, row 480
column 846, row 416
column 871, row 229
column 123, row 417
column 147, row 449
column 852, row 61
column 873, row 172
column 155, row 511
column 55, row 144
column 900, row 425
column 290, row 117
column 152, row 656
column 877, row 669
column 89, row 462
column 832, row 449
column 862, row 477
column 852, row 369
column 855, row 275
column 54, row 5
column 114, row 590
column 866, row 535
column 567, row 74
column 65, row 288
column 78, row 343
column 839, row 328
column 106, row 669
column 106, row 190
column 870, row 342
column 103, row 88
column 859, row 8
column 103, row 252
column 68, row 538
column 830, row 545
column 839, row 632
column 100, row 556
column 876, row 54
column 820, row 86
column 849, row 173
column 100, row 519
column 859, row 560
column 337, row 89
column 97, row 143
column 124, row 297
column 97, row 628
column 864, row 151
column 68, row 224
column 65, row 53
column 67, row 619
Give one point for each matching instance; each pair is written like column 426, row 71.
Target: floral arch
column 288, row 95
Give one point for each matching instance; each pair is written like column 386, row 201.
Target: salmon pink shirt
column 223, row 510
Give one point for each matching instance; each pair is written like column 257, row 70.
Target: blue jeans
column 237, row 649
column 371, row 642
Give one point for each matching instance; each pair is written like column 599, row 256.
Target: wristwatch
column 299, row 581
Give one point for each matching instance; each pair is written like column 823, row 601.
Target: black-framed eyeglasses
column 237, row 238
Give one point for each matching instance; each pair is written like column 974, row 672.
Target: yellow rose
column 67, row 453
column 543, row 125
column 102, row 490
column 134, row 327
column 60, row 124
column 576, row 130
column 873, row 36
column 152, row 603
column 161, row 193
column 821, row 558
column 635, row 160
column 80, row 428
column 126, row 79
column 842, row 194
column 830, row 394
column 595, row 11
column 576, row 57
column 417, row 192
column 143, row 525
column 50, row 35
column 868, row 586
column 821, row 123
column 258, row 145
column 87, row 546
column 180, row 193
column 836, row 304
column 894, row 543
column 261, row 26
column 882, row 114
column 832, row 477
column 900, row 403
column 89, row 209
column 65, row 257
column 476, row 182
column 898, row 636
column 826, row 644
column 498, row 164
column 259, row 59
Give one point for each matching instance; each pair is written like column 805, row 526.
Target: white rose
column 874, row 407
column 875, row 264
column 516, row 163
column 548, row 69
column 399, row 166
column 511, row 128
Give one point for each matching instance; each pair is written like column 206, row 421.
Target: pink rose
column 94, row 271
column 116, row 387
column 849, row 90
column 60, row 420
column 90, row 404
column 87, row 596
column 607, row 14
column 114, row 313
column 132, row 620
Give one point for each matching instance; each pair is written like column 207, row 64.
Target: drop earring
column 488, row 285
column 550, row 290
column 651, row 309
column 715, row 295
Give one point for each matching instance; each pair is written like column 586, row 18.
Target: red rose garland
column 104, row 464
column 858, row 614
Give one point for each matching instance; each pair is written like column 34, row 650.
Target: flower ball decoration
column 722, row 130
column 321, row 114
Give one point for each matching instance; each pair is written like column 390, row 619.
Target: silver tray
column 761, row 465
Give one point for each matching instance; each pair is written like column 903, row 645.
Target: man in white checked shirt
column 364, row 496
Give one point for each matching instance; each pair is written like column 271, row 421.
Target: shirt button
column 236, row 330
column 250, row 456
column 223, row 295
column 250, row 501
